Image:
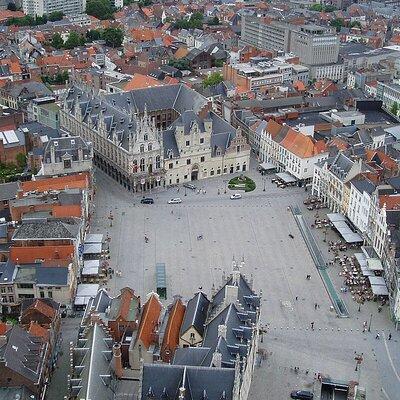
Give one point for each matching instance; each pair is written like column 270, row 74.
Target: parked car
column 147, row 200
column 176, row 200
column 189, row 186
column 236, row 196
column 302, row 395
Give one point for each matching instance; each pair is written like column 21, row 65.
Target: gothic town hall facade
column 157, row 136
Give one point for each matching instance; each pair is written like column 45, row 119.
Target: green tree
column 182, row 64
column 195, row 22
column 395, row 108
column 214, row 79
column 21, row 160
column 214, row 21
column 74, row 40
column 113, row 37
column 56, row 16
column 101, row 9
column 144, row 3
column 356, row 24
column 93, row 34
column 337, row 23
column 316, row 7
column 57, row 41
column 11, row 7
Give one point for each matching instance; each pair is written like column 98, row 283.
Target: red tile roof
column 38, row 331
column 171, row 335
column 76, row 181
column 42, row 308
column 149, row 321
column 392, row 202
column 140, row 81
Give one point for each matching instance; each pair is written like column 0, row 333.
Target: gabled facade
column 291, row 151
column 156, row 136
column 142, row 347
column 221, row 366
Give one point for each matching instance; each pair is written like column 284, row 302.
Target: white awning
column 379, row 290
column 91, row 267
column 84, row 292
column 287, row 178
column 374, row 264
column 340, row 223
column 377, row 280
column 361, row 259
column 366, row 272
column 267, row 166
column 92, row 248
column 94, row 238
column 333, row 217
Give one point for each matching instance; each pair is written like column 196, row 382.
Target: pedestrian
column 312, row 325
column 377, row 336
column 390, row 336
column 315, row 306
column 297, row 297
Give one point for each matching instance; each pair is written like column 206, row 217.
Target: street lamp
column 370, row 322
column 185, row 191
column 264, row 179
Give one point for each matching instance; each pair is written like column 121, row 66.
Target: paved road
column 256, row 228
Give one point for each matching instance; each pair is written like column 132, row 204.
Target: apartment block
column 273, row 35
column 315, row 45
column 40, row 7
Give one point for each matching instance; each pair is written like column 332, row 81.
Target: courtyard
column 197, row 241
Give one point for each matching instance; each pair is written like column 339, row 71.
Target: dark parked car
column 302, row 395
column 147, row 200
column 189, row 186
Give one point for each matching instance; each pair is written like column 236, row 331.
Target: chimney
column 231, row 294
column 117, row 361
column 3, row 340
column 216, row 359
column 182, row 392
column 52, row 154
column 222, row 331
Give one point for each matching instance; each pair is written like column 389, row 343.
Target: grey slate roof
column 48, row 230
column 363, row 185
column 161, row 382
column 196, row 313
column 116, row 109
column 94, row 354
column 8, row 190
column 221, row 135
column 24, row 353
column 67, row 145
column 7, row 272
column 193, row 356
column 341, row 165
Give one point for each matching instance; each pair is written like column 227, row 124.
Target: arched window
column 142, row 165
column 142, row 148
column 158, row 162
column 150, row 147
column 146, row 137
column 134, row 166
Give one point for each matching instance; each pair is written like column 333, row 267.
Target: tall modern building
column 315, row 45
column 274, row 35
column 40, row 7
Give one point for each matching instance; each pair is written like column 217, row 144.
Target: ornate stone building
column 155, row 136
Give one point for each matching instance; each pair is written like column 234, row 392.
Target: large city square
column 198, row 239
